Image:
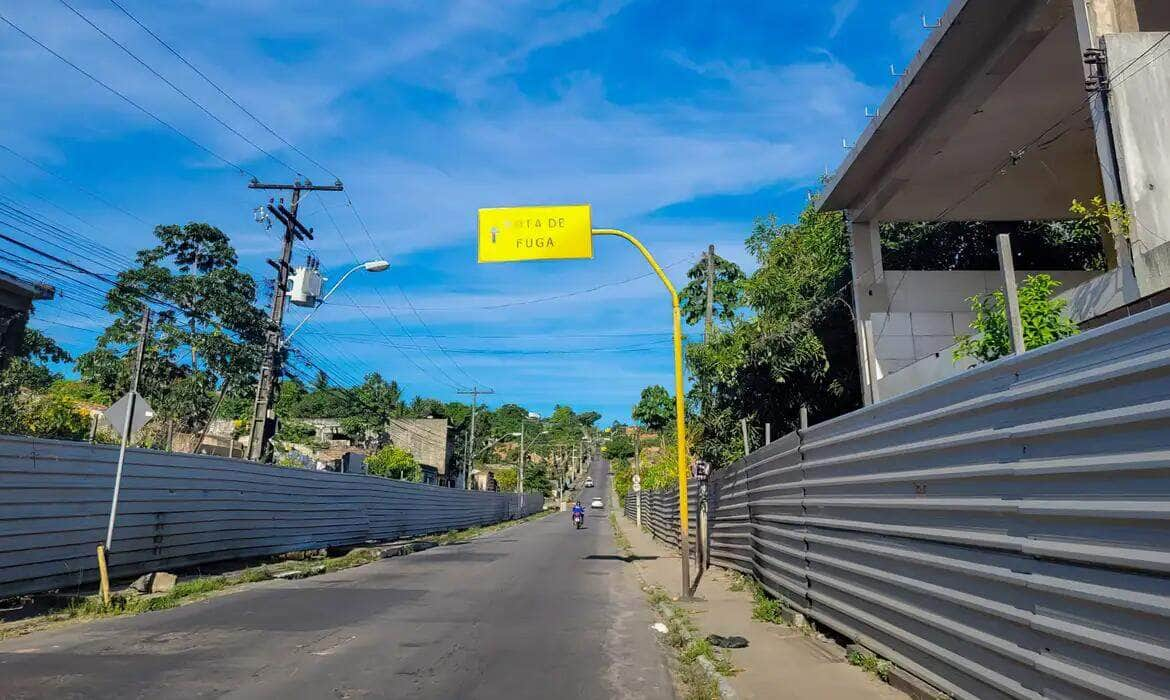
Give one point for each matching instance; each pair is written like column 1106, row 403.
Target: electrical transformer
column 305, row 284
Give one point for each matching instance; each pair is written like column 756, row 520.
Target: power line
column 235, row 166
column 71, row 183
column 176, row 88
column 554, row 297
column 221, row 91
column 454, row 383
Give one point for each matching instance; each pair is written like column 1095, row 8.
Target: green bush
column 1042, row 317
column 394, row 462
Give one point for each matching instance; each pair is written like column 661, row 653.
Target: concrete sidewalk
column 780, row 662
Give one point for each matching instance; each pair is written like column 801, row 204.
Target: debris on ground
column 155, row 582
column 731, row 642
column 659, row 628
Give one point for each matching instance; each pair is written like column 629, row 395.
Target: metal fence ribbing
column 1005, row 533
column 179, row 510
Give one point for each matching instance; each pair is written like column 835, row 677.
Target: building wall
column 1139, row 104
column 1090, row 298
column 920, row 313
column 425, row 438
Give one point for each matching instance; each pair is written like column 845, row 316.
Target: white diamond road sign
column 116, row 414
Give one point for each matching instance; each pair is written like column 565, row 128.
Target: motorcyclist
column 578, row 509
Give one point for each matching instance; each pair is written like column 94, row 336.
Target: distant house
column 426, row 439
column 16, row 303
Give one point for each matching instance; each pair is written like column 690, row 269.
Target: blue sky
column 678, row 121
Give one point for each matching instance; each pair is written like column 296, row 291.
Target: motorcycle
column 578, row 519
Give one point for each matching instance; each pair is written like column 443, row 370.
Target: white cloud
column 842, row 10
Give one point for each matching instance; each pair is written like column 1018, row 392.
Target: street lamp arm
column 320, row 302
column 645, row 253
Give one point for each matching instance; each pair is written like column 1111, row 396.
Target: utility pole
column 710, row 292
column 267, row 385
column 475, row 392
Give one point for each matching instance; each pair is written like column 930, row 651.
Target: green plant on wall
column 1042, row 317
column 1103, row 216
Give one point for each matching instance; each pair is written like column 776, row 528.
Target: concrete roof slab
column 998, row 77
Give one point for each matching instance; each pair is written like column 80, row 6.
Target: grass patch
column 623, row 542
column 697, row 685
column 766, row 608
column 871, row 663
column 739, row 582
column 455, row 536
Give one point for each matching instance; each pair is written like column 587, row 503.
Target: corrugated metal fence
column 1005, row 533
column 178, row 509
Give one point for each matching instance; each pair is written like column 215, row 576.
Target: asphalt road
column 539, row 610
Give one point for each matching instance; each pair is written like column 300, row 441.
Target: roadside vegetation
column 783, row 334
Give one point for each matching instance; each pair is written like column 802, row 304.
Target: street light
column 368, row 266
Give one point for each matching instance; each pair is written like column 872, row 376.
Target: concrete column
column 1094, row 19
column 869, row 293
column 1108, row 16
column 1141, row 138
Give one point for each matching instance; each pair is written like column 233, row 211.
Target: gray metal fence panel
column 1004, row 533
column 180, row 510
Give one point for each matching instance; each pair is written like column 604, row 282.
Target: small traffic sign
column 515, row 234
column 637, row 482
column 116, row 414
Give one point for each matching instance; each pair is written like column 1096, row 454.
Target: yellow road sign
column 513, row 234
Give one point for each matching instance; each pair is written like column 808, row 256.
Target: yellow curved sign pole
column 679, row 406
column 562, row 232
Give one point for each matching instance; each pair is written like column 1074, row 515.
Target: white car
column 596, row 503
column 589, row 483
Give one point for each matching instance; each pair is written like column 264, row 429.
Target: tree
column 507, row 419
column 29, row 367
column 619, row 446
column 726, row 297
column 208, row 330
column 506, row 479
column 371, row 406
column 588, row 418
column 1042, row 317
column 795, row 348
column 655, row 410
column 33, row 399
column 394, row 462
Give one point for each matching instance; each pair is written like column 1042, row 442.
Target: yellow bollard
column 105, row 574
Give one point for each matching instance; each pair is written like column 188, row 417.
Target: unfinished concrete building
column 1010, row 111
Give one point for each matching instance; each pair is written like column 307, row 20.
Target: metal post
column 747, row 450
column 767, row 433
column 142, row 333
column 679, row 406
column 1003, row 243
column 804, row 417
column 710, row 292
column 520, row 482
column 871, row 360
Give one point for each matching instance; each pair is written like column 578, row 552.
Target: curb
column 726, row 691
